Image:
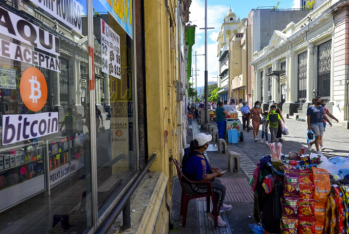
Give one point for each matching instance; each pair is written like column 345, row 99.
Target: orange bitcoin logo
column 33, row 89
column 118, row 133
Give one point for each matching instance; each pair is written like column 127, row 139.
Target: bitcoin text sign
column 33, row 89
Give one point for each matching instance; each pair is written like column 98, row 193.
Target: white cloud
column 198, row 37
column 296, row 4
column 213, row 36
column 214, row 15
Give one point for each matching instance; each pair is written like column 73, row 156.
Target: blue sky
column 216, row 11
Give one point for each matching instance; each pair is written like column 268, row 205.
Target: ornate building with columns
column 302, row 61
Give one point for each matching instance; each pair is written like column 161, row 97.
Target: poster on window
column 68, row 11
column 24, row 31
column 121, row 10
column 110, row 49
column 7, row 78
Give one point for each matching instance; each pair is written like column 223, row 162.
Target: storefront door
column 302, row 78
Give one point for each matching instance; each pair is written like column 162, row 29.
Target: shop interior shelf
column 6, row 169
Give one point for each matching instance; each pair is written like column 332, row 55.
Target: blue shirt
column 196, row 168
column 245, row 109
column 316, row 114
column 220, row 115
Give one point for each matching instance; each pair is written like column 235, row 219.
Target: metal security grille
column 262, row 86
column 270, row 83
column 324, row 69
column 64, row 81
column 302, row 77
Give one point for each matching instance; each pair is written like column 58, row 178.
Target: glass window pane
column 115, row 119
column 45, row 182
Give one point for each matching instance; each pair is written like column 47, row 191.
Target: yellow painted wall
column 160, row 65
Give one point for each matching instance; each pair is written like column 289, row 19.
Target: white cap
column 202, row 138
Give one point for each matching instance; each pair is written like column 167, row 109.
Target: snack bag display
column 290, row 207
column 289, row 226
column 322, row 184
column 306, row 191
column 306, row 226
column 306, row 209
column 306, row 177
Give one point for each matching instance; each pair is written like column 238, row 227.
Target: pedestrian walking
column 264, row 128
column 273, row 121
column 220, row 119
column 278, row 110
column 197, row 168
column 256, row 113
column 329, row 114
column 315, row 116
column 245, row 111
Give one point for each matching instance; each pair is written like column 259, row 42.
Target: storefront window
column 117, row 160
column 45, row 169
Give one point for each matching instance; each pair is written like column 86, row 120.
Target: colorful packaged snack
column 290, row 207
column 306, row 191
column 306, row 177
column 291, row 185
column 306, row 209
column 289, row 226
column 322, row 184
column 341, row 209
column 331, row 216
column 306, row 226
column 320, row 212
column 320, row 227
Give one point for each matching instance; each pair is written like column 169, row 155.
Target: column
column 77, row 93
column 257, row 85
column 265, row 86
column 332, row 69
column 275, row 84
column 106, row 90
column 292, row 78
column 310, row 73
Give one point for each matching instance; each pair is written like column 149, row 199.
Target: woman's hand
column 219, row 173
column 215, row 169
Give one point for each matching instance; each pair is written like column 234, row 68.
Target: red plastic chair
column 187, row 197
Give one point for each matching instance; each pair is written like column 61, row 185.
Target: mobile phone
column 223, row 172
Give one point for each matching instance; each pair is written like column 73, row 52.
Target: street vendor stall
column 301, row 193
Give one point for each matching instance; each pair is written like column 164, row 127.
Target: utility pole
column 206, row 72
column 196, row 72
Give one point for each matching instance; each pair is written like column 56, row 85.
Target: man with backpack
column 273, row 120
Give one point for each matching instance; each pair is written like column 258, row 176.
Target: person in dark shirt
column 197, row 168
column 315, row 116
column 220, row 119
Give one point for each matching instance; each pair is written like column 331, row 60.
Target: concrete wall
column 266, row 21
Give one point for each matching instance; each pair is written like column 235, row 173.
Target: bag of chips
column 291, row 181
column 331, row 216
column 306, row 209
column 290, row 207
column 306, row 191
column 341, row 210
column 320, row 227
column 322, row 184
column 289, row 226
column 306, row 177
column 306, row 226
column 320, row 212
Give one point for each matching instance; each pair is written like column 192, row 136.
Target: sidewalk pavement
column 335, row 140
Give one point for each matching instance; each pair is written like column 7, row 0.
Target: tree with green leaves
column 191, row 91
column 309, row 6
column 214, row 96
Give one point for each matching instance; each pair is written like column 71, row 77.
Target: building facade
column 303, row 61
column 86, row 98
column 228, row 29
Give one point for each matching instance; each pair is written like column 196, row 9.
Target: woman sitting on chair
column 197, row 168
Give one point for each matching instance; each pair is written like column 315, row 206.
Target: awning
column 276, row 73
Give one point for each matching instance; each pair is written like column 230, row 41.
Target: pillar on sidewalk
column 265, row 90
column 276, row 84
column 310, row 78
column 290, row 106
